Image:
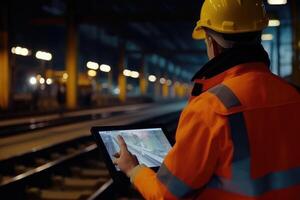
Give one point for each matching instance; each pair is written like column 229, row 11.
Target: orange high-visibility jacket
column 238, row 140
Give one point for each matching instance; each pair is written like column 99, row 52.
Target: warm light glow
column 267, row 37
column 92, row 65
column 43, row 55
column 42, row 80
column 33, row 81
column 162, row 80
column 277, row 2
column 105, row 68
column 20, row 51
column 49, row 81
column 92, row 73
column 274, row 22
column 152, row 78
column 65, row 76
column 134, row 74
column 126, row 72
column 169, row 82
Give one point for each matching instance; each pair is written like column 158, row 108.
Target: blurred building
column 70, row 54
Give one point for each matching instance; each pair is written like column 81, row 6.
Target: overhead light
column 92, row 73
column 152, row 78
column 277, row 2
column 49, row 81
column 65, row 76
column 33, row 80
column 42, row 81
column 43, row 55
column 20, row 51
column 267, row 37
column 126, row 72
column 105, row 68
column 162, row 80
column 92, row 65
column 38, row 76
column 134, row 74
column 274, row 22
column 116, row 91
column 169, row 82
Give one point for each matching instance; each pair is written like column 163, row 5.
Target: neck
column 232, row 57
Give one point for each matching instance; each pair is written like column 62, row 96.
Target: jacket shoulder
column 218, row 100
column 261, row 90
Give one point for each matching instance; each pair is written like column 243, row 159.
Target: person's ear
column 209, row 47
column 209, row 41
column 212, row 47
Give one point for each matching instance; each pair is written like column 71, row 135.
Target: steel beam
column 71, row 57
column 4, row 58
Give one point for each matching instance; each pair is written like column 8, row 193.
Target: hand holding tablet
column 125, row 161
column 137, row 145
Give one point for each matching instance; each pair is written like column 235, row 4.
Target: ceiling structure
column 161, row 27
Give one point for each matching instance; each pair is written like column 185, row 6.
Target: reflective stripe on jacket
column 238, row 140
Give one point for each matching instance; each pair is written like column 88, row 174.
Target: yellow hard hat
column 231, row 16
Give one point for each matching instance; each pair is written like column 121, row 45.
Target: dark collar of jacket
column 227, row 60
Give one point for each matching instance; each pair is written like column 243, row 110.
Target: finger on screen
column 122, row 143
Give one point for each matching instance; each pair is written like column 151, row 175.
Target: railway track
column 72, row 170
column 24, row 125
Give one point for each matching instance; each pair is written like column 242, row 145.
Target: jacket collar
column 230, row 62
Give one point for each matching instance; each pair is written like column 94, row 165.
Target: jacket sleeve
column 189, row 165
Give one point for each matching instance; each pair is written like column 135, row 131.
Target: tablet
column 149, row 144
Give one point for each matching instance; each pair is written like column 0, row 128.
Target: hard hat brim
column 198, row 33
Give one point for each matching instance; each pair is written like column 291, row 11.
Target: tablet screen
column 149, row 145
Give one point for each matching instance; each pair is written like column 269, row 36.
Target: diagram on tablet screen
column 149, row 145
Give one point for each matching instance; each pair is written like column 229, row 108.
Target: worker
column 239, row 136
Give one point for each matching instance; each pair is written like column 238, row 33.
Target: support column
column 295, row 43
column 157, row 86
column 165, row 91
column 121, row 78
column 172, row 87
column 143, row 79
column 71, row 57
column 4, row 58
column 165, row 86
